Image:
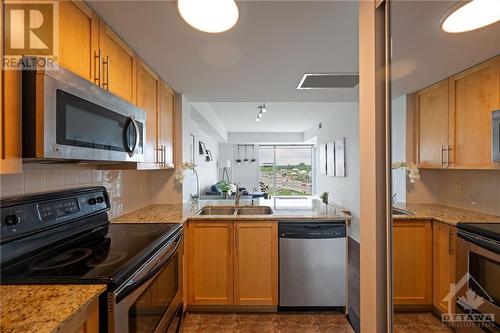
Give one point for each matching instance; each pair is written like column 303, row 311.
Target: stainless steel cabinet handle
column 449, row 242
column 97, row 67
column 105, row 64
column 449, row 148
column 164, row 155
column 443, row 163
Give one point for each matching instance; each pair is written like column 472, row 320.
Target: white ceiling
column 263, row 58
column 281, row 117
column 423, row 54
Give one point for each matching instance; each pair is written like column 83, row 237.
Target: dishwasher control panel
column 312, row 230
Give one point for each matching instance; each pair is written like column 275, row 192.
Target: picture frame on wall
column 209, row 157
column 330, row 159
column 202, row 149
column 191, row 147
column 340, row 158
column 322, row 159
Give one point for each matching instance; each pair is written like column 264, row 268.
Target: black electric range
column 66, row 237
column 484, row 234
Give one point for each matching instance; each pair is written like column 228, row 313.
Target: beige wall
column 477, row 190
column 128, row 190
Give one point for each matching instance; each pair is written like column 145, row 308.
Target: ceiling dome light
column 211, row 16
column 467, row 16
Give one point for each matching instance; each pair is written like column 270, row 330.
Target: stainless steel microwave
column 66, row 117
column 496, row 136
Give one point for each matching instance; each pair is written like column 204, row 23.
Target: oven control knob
column 100, row 199
column 12, row 220
column 92, row 201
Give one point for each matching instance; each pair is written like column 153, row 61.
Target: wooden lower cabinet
column 210, row 263
column 412, row 263
column 233, row 264
column 86, row 321
column 255, row 263
column 443, row 246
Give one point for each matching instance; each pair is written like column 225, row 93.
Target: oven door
column 483, row 265
column 80, row 120
column 150, row 301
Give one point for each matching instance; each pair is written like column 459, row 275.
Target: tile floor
column 290, row 322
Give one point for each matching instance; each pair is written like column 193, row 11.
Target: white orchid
column 179, row 172
column 414, row 174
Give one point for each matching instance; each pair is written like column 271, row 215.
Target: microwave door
column 72, row 119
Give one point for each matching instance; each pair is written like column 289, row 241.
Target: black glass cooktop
column 103, row 256
column 487, row 230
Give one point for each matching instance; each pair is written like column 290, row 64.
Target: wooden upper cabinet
column 79, row 39
column 256, row 263
column 210, row 263
column 166, row 124
column 147, row 100
column 412, row 260
column 474, row 94
column 443, row 249
column 10, row 118
column 453, row 119
column 118, row 64
column 432, row 125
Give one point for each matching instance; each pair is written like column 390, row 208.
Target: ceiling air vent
column 328, row 81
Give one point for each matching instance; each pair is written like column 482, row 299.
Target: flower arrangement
column 414, row 174
column 179, row 172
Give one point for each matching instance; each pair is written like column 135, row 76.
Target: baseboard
column 400, row 308
column 232, row 308
column 353, row 319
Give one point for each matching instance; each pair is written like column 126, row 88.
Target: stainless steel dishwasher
column 312, row 264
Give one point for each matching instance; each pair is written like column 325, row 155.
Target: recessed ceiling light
column 470, row 15
column 257, row 119
column 211, row 16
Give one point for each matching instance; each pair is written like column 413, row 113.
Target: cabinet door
column 118, row 64
column 474, row 94
column 210, row 263
column 86, row 321
column 256, row 263
column 78, row 39
column 412, row 258
column 443, row 245
column 166, row 124
column 432, row 125
column 10, row 122
column 147, row 100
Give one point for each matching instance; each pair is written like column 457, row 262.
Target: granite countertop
column 445, row 214
column 283, row 209
column 42, row 308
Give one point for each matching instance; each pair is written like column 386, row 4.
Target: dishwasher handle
column 312, row 230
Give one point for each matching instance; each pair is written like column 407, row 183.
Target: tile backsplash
column 477, row 190
column 128, row 190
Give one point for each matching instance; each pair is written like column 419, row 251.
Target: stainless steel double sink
column 235, row 210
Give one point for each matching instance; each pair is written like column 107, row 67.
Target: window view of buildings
column 286, row 170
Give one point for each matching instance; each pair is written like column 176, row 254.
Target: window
column 286, row 170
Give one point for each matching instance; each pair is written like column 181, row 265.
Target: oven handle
column 131, row 121
column 490, row 245
column 132, row 284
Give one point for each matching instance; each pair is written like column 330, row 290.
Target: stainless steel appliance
column 66, row 117
column 495, row 135
column 312, row 264
column 66, row 238
column 478, row 254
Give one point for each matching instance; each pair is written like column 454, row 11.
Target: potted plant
column 225, row 188
column 324, row 197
